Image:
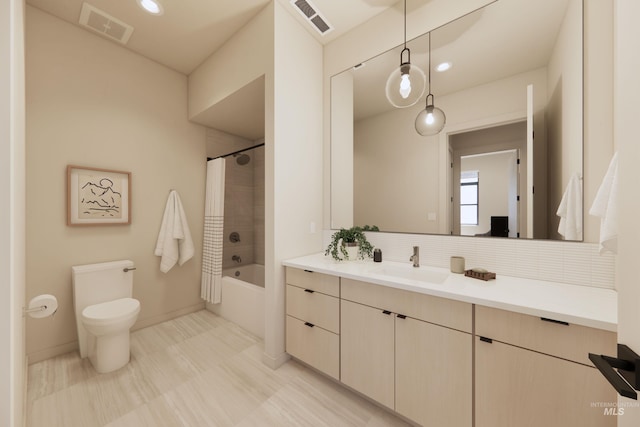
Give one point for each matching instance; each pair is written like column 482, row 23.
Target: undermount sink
column 412, row 273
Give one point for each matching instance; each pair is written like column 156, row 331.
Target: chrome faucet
column 415, row 258
column 236, row 258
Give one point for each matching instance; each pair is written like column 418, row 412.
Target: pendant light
column 431, row 120
column 405, row 85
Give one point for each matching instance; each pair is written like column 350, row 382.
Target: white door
column 530, row 188
column 514, row 195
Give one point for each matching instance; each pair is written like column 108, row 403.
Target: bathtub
column 243, row 298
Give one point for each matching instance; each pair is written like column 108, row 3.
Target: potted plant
column 351, row 243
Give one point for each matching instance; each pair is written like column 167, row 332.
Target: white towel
column 174, row 239
column 605, row 207
column 570, row 210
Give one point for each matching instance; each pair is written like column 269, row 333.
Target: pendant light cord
column 406, row 49
column 429, row 63
column 405, row 24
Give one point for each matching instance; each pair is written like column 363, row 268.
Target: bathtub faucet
column 236, row 258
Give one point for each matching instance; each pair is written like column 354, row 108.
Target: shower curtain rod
column 236, row 152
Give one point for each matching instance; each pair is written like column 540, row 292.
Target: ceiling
column 503, row 39
column 189, row 31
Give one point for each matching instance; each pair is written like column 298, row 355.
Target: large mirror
column 512, row 143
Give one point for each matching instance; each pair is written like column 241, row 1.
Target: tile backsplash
column 555, row 261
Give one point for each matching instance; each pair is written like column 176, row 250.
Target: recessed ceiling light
column 154, row 7
column 444, row 66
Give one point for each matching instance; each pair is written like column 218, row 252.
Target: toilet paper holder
column 41, row 306
column 33, row 309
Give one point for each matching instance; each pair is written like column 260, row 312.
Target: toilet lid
column 111, row 309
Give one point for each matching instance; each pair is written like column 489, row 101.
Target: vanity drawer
column 313, row 345
column 318, row 282
column 568, row 341
column 313, row 307
column 441, row 311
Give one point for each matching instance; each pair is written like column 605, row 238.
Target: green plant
column 353, row 235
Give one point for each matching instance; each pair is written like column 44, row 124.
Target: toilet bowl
column 107, row 326
column 105, row 312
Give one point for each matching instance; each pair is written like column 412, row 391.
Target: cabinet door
column 433, row 374
column 518, row 387
column 367, row 351
column 313, row 345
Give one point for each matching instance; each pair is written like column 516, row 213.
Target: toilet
column 104, row 312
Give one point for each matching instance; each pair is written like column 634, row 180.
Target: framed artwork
column 98, row 196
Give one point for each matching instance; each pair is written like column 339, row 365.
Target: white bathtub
column 243, row 298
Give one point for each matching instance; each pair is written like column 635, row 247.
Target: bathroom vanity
column 441, row 349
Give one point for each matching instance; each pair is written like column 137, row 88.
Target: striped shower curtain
column 213, row 232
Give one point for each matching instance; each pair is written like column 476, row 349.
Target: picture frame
column 98, row 196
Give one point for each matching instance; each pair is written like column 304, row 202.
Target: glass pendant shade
column 405, row 85
column 431, row 120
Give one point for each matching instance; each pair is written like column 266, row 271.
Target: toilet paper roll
column 48, row 305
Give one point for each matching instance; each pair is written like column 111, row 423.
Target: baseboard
column 144, row 323
column 275, row 362
column 48, row 353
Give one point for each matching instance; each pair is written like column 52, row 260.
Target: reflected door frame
column 447, row 188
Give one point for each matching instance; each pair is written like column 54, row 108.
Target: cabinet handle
column 487, row 340
column 559, row 322
column 401, row 316
column 309, row 291
column 308, row 271
column 386, row 312
column 311, row 325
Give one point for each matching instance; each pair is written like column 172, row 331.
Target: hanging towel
column 570, row 210
column 605, row 207
column 211, row 285
column 174, row 239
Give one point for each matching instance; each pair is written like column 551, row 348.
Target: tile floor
column 196, row 370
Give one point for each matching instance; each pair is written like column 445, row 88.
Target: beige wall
column 12, row 226
column 242, row 59
column 93, row 103
column 598, row 104
column 564, row 112
column 220, row 143
column 342, row 151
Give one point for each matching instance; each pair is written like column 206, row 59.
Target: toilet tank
column 96, row 283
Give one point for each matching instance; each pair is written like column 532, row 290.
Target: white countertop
column 581, row 305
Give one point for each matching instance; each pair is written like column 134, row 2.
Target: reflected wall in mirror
column 515, row 74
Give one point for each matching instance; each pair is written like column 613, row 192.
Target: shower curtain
column 213, row 232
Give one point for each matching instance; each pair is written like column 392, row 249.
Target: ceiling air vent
column 102, row 23
column 311, row 14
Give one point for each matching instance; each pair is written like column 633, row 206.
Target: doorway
column 488, row 181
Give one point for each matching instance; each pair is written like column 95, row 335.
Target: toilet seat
column 111, row 311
